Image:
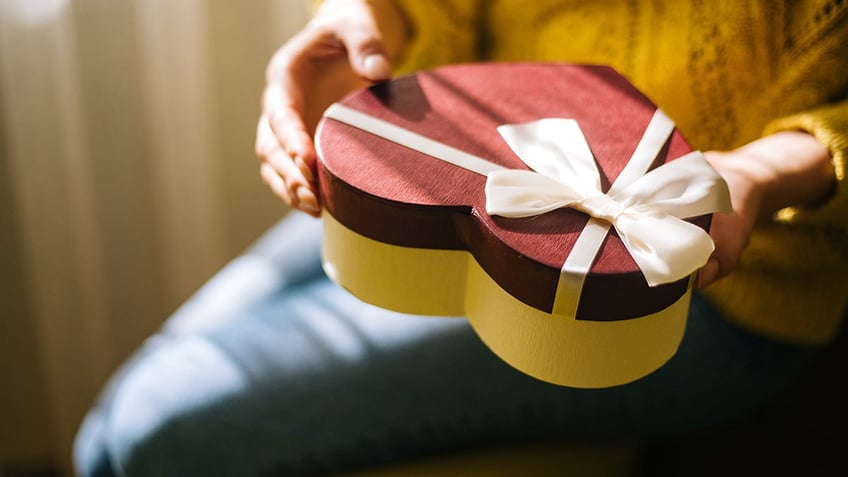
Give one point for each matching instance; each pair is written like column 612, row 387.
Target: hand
column 785, row 169
column 730, row 233
column 347, row 45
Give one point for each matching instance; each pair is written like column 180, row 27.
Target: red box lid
column 394, row 194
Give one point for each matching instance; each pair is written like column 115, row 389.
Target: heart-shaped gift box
column 425, row 213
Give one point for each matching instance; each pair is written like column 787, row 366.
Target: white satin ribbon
column 645, row 209
column 410, row 139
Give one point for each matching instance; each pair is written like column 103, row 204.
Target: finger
column 275, row 182
column 368, row 57
column 286, row 124
column 717, row 267
column 286, row 180
column 307, row 201
column 269, row 151
column 291, row 80
column 365, row 47
column 708, row 274
column 730, row 235
column 302, row 198
column 286, row 163
column 284, row 114
column 297, row 144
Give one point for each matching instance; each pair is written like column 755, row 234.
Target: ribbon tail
column 666, row 248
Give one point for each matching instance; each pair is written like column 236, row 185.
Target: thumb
column 375, row 67
column 708, row 274
column 367, row 52
column 369, row 60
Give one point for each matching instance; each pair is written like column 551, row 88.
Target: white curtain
column 127, row 178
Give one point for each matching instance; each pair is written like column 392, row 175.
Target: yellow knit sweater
column 727, row 72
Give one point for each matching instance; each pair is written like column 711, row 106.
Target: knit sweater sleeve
column 815, row 58
column 804, row 251
column 828, row 124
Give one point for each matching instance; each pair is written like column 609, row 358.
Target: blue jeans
column 271, row 369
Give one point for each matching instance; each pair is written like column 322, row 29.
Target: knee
column 89, row 452
column 153, row 423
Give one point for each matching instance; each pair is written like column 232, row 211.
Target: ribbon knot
column 646, row 209
column 601, row 207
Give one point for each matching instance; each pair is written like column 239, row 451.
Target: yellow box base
column 553, row 348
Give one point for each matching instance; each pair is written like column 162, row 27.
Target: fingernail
column 304, row 169
column 307, row 200
column 376, row 67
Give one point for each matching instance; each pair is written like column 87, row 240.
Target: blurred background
column 127, row 178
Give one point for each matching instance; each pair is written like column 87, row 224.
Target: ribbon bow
column 647, row 212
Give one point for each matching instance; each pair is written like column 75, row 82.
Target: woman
column 272, row 370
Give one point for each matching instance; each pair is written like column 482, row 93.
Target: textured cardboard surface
column 393, row 194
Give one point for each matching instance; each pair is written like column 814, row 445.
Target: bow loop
column 647, row 213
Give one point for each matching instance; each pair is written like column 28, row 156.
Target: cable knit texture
column 727, row 72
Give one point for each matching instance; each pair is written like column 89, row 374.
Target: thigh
column 311, row 380
column 287, row 254
column 315, row 379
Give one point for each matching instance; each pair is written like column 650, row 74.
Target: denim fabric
column 271, row 369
